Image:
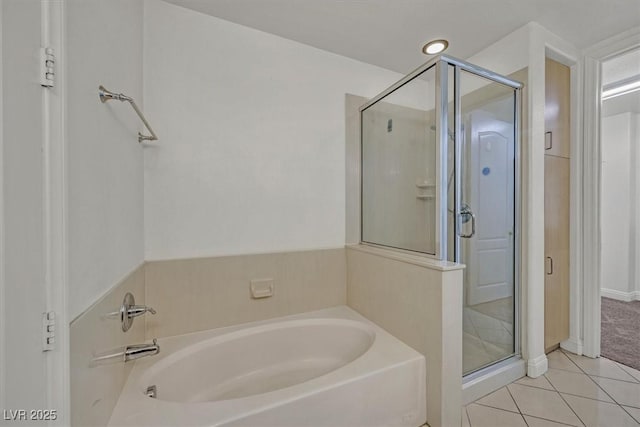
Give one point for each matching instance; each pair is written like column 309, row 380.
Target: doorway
column 620, row 209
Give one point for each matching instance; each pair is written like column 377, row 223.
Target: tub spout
column 136, row 351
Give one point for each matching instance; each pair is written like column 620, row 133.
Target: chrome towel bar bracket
column 106, row 95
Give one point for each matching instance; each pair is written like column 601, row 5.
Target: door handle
column 548, row 140
column 466, row 211
column 549, row 269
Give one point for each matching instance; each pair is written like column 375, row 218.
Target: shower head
column 106, row 95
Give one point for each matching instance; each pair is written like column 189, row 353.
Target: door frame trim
column 2, row 238
column 55, row 213
column 591, row 164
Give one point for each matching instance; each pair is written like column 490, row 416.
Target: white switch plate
column 262, row 288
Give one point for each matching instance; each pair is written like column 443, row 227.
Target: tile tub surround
column 419, row 302
column 576, row 391
column 95, row 389
column 205, row 293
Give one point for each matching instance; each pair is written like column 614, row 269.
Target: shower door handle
column 466, row 211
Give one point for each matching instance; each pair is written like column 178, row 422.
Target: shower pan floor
column 488, row 333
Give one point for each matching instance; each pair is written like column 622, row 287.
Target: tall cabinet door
column 556, row 247
column 557, row 111
column 556, row 203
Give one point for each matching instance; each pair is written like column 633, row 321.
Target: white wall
column 251, row 126
column 105, row 161
column 620, row 234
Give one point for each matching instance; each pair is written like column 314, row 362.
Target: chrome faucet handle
column 139, row 310
column 130, row 310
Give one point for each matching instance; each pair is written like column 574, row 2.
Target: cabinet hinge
column 47, row 67
column 48, row 331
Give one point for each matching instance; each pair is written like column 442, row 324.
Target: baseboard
column 619, row 295
column 538, row 366
column 572, row 345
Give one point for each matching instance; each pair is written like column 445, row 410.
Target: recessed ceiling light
column 435, row 46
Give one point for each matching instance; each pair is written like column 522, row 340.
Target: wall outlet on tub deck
column 262, row 288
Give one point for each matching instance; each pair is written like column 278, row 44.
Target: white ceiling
column 390, row 33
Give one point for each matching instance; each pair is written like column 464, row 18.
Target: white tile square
column 540, row 382
column 558, row 360
column 483, row 416
column 542, row 404
column 622, row 392
column 576, row 383
column 599, row 414
column 500, row 399
column 600, row 367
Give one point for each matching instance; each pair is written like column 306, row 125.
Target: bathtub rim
column 386, row 353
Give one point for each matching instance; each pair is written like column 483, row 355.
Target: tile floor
column 576, row 391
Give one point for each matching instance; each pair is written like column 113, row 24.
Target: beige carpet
column 620, row 338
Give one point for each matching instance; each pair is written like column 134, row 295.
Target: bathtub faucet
column 136, row 351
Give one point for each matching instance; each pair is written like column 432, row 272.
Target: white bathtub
column 325, row 368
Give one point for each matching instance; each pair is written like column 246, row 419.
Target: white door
column 488, row 193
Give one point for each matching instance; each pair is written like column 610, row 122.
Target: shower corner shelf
column 425, row 197
column 424, row 185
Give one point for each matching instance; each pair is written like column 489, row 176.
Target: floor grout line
column 571, row 360
column 614, row 379
column 629, row 413
column 547, row 419
column 494, row 407
column 629, row 373
column 605, row 391
column 513, row 398
column 517, row 406
column 565, row 401
column 633, row 379
column 466, row 413
column 573, row 394
column 542, row 418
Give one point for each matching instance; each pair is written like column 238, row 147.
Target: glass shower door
column 439, row 179
column 485, row 224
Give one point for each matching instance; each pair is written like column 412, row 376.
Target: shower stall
column 440, row 177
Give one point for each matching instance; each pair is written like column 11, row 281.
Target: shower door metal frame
column 442, row 62
column 517, row 273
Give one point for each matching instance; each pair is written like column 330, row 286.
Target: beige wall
column 204, row 293
column 95, row 388
column 418, row 301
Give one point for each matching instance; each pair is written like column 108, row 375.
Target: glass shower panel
column 485, row 232
column 399, row 167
